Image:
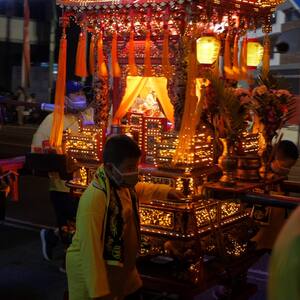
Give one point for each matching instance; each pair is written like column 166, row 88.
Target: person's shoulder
column 48, row 118
column 92, row 199
column 46, row 123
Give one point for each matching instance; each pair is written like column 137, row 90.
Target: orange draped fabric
column 235, row 68
column 115, row 67
column 135, row 86
column 81, row 68
column 101, row 67
column 227, row 59
column 92, row 56
column 243, row 61
column 166, row 67
column 133, row 70
column 58, row 116
column 148, row 67
column 191, row 114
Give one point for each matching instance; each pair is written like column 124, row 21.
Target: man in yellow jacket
column 101, row 261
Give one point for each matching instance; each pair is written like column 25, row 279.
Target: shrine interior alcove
column 146, row 95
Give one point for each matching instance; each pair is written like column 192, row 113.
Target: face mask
column 76, row 103
column 126, row 179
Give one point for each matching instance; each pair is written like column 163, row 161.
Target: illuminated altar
column 163, row 99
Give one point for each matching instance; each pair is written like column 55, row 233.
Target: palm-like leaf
column 230, row 112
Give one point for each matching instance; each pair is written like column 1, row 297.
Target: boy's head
column 285, row 157
column 121, row 156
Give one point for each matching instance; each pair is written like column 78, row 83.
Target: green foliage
column 226, row 112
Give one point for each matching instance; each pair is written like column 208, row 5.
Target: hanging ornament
column 227, row 59
column 208, row 48
column 101, row 67
column 235, row 68
column 266, row 56
column 115, row 67
column 59, row 100
column 255, row 52
column 243, row 61
column 133, row 70
column 80, row 67
column 92, row 55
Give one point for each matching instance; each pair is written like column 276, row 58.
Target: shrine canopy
column 127, row 3
column 175, row 14
column 137, row 85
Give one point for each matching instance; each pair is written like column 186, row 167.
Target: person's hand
column 175, row 195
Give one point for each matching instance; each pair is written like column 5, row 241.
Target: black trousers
column 65, row 208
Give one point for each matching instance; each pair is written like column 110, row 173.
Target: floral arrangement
column 274, row 108
column 223, row 109
column 244, row 95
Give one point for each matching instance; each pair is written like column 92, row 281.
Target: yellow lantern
column 255, row 53
column 208, row 48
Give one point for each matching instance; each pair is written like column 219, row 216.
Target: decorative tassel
column 80, row 68
column 102, row 68
column 148, row 67
column 266, row 57
column 243, row 61
column 235, row 68
column 166, row 67
column 58, row 115
column 92, row 56
column 133, row 70
column 115, row 68
column 216, row 67
column 227, row 59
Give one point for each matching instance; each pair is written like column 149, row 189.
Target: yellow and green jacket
column 90, row 275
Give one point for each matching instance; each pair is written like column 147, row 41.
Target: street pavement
column 25, row 275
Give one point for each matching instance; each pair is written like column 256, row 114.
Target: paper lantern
column 255, row 53
column 208, row 48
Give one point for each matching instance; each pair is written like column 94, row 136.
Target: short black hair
column 120, row 147
column 288, row 149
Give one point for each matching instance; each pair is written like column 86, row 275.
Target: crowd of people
column 19, row 107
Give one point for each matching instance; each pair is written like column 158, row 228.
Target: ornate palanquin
column 151, row 38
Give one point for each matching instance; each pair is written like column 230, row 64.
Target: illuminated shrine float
column 172, row 68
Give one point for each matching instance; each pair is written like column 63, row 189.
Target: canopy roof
column 128, row 3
